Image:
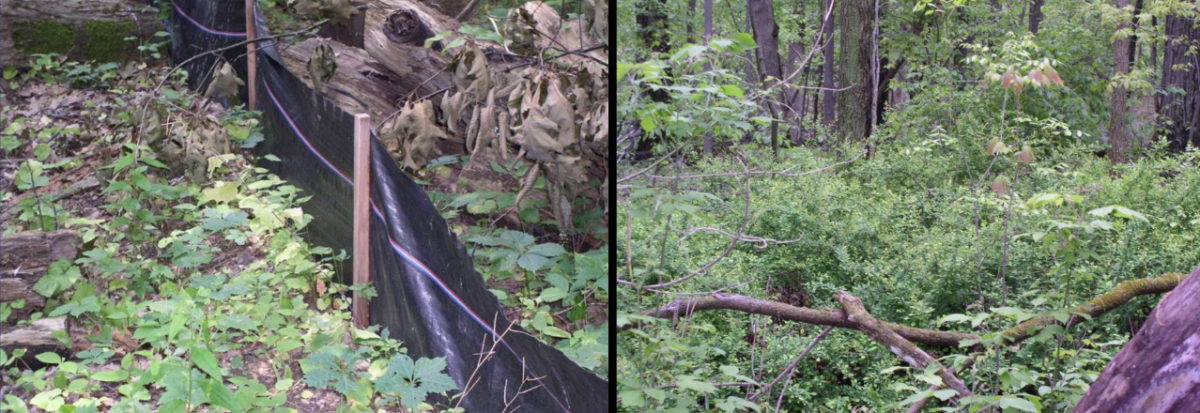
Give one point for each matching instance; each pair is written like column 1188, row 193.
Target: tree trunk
column 1035, row 15
column 1158, row 371
column 708, row 31
column 84, row 29
column 828, row 113
column 652, row 21
column 795, row 54
column 1181, row 70
column 854, row 104
column 1118, row 136
column 766, row 34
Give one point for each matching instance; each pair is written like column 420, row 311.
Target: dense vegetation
column 991, row 187
column 197, row 286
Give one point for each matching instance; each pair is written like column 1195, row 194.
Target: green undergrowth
column 189, row 295
column 898, row 230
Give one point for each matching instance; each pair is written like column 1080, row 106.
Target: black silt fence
column 430, row 296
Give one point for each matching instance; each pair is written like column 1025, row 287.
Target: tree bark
column 1159, row 370
column 1118, row 136
column 36, row 338
column 708, row 31
column 770, row 65
column 855, row 105
column 828, row 113
column 24, row 260
column 651, row 20
column 902, row 348
column 362, row 84
column 1181, row 71
column 1035, row 15
column 395, row 37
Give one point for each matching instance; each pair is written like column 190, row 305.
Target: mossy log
column 83, row 29
column 1159, row 370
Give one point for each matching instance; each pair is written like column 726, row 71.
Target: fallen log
column 395, row 35
column 81, row 29
column 360, row 83
column 1159, row 370
column 24, row 260
column 28, row 254
column 37, row 337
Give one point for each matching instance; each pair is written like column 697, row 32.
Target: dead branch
column 837, row 318
column 905, row 349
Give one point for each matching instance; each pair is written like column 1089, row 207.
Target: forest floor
column 196, row 271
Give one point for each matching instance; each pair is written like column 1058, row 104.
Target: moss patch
column 102, row 41
column 105, row 41
column 43, row 36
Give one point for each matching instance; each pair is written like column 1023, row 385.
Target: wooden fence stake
column 251, row 56
column 362, row 223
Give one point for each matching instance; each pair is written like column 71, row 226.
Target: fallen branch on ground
column 835, row 317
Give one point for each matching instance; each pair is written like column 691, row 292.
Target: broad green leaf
column 220, row 395
column 553, row 331
column 744, row 41
column 110, row 375
column 49, row 358
column 552, row 294
column 694, row 383
column 733, row 91
column 1018, row 403
column 945, row 394
column 225, row 192
column 953, row 318
column 206, row 361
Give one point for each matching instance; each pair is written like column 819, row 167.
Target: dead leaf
column 339, row 11
column 322, row 65
column 416, row 132
column 225, row 83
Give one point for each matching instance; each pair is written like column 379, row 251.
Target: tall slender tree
column 770, row 69
column 1118, row 136
column 1181, row 73
column 858, row 72
column 828, row 110
column 1035, row 15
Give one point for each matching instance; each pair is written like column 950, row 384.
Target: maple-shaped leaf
column 225, row 83
column 414, row 380
column 322, row 64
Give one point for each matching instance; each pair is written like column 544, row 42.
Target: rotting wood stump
column 395, row 35
column 1158, row 371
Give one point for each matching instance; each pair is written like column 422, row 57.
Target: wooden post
column 251, row 56
column 362, row 223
